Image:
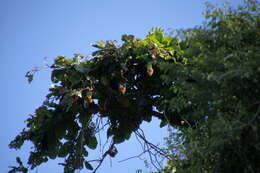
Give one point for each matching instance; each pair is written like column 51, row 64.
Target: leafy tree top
column 121, row 84
column 205, row 82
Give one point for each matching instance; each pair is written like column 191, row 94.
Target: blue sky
column 33, row 29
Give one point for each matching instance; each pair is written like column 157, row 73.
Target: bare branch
column 137, row 156
column 156, row 148
column 104, row 156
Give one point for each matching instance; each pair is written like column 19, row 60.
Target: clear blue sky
column 33, row 29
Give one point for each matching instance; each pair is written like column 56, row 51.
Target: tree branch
column 104, row 156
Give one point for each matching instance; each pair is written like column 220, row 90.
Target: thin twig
column 137, row 156
column 159, row 150
column 151, row 159
column 139, row 142
column 104, row 156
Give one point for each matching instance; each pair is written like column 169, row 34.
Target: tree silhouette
column 204, row 82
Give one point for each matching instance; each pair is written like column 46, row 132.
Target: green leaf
column 82, row 69
column 52, row 154
column 163, row 123
column 109, row 132
column 148, row 118
column 84, row 118
column 118, row 139
column 100, row 44
column 145, row 56
column 88, row 165
column 57, row 75
column 127, row 38
column 64, row 150
column 75, row 79
column 60, row 130
column 60, row 60
column 92, row 142
column 128, row 135
column 18, row 160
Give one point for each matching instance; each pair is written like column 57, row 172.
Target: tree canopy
column 224, row 58
column 203, row 81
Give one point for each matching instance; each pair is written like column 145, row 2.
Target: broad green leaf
column 92, row 142
column 100, row 44
column 18, row 160
column 57, row 75
column 110, row 132
column 52, row 153
column 163, row 123
column 88, row 165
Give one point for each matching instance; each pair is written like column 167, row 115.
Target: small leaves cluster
column 121, row 84
column 21, row 168
column 224, row 60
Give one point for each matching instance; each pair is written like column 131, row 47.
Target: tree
column 120, row 86
column 203, row 82
column 225, row 59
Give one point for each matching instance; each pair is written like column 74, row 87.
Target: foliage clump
column 205, row 82
column 225, row 58
column 120, row 84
